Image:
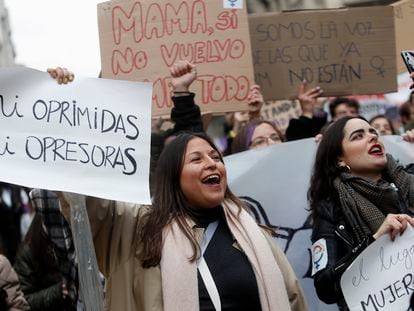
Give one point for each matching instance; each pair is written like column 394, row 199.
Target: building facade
column 7, row 52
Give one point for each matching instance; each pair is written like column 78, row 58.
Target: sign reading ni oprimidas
column 140, row 40
column 344, row 51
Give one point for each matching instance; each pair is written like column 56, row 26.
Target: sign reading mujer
column 382, row 276
column 84, row 137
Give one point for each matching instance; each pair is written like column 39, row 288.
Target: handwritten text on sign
column 141, row 40
column 348, row 51
column 382, row 277
column 84, row 137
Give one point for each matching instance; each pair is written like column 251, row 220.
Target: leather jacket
column 342, row 249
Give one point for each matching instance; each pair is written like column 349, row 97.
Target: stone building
column 7, row 53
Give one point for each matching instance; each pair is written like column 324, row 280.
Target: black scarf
column 365, row 203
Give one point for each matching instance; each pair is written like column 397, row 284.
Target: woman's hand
column 394, row 224
column 65, row 291
column 255, row 101
column 61, row 75
column 308, row 98
column 408, row 136
column 412, row 77
column 183, row 73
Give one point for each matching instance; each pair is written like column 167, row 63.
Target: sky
column 51, row 33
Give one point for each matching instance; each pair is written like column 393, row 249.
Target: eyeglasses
column 262, row 141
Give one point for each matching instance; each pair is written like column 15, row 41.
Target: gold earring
column 347, row 168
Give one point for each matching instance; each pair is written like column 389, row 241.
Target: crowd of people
column 197, row 247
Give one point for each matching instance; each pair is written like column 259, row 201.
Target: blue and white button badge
column 319, row 256
column 233, row 4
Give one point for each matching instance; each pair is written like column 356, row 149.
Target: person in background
column 357, row 194
column 309, row 124
column 37, row 266
column 196, row 234
column 256, row 134
column 407, row 114
column 382, row 125
column 235, row 121
column 343, row 106
column 11, row 296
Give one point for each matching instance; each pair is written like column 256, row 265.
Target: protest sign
column 280, row 112
column 84, row 137
column 344, row 51
column 382, row 276
column 141, row 40
column 275, row 180
column 404, row 24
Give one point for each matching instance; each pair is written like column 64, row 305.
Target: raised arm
column 185, row 114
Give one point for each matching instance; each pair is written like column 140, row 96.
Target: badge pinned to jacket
column 319, row 256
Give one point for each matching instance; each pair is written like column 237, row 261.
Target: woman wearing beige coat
column 155, row 257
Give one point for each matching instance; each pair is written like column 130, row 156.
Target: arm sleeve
column 186, row 114
column 114, row 229
column 304, row 127
column 340, row 256
column 293, row 288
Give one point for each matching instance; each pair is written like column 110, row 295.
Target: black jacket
column 304, row 127
column 342, row 249
column 42, row 290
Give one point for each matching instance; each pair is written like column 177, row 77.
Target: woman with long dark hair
column 196, row 248
column 357, row 194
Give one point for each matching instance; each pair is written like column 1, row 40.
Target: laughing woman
column 357, row 194
column 196, row 248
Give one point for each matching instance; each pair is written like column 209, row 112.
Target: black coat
column 342, row 248
column 42, row 290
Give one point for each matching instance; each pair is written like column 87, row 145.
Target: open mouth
column 376, row 150
column 213, row 179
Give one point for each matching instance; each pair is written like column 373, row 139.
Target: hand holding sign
column 61, row 75
column 381, row 277
column 394, row 224
column 308, row 98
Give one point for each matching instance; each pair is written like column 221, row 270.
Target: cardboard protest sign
column 404, row 25
column 344, row 51
column 280, row 112
column 84, row 137
column 381, row 277
column 140, row 40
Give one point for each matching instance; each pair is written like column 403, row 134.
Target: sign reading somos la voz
column 382, row 276
column 344, row 51
column 91, row 136
column 140, row 40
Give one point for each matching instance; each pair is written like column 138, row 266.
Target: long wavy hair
column 169, row 201
column 326, row 168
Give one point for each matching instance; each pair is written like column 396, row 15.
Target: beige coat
column 129, row 286
column 10, row 283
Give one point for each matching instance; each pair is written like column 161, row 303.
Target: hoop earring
column 346, row 168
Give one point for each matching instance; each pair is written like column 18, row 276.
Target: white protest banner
column 274, row 181
column 91, row 136
column 382, row 276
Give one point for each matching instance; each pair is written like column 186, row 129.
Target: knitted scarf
column 365, row 203
column 179, row 275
